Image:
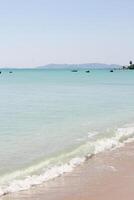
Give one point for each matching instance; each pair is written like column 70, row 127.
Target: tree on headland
column 130, row 62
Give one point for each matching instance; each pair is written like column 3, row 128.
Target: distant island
column 81, row 66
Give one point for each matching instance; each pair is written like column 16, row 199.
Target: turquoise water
column 48, row 117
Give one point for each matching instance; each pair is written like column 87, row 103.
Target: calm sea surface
column 48, row 117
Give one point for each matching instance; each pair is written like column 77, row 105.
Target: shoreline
column 108, row 175
column 96, row 148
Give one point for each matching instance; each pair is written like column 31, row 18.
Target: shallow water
column 49, row 117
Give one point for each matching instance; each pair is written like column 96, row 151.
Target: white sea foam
column 18, row 185
column 121, row 136
column 92, row 134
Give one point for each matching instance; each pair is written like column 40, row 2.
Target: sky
column 38, row 32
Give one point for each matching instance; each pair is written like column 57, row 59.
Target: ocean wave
column 12, row 182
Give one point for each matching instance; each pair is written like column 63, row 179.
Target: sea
column 53, row 120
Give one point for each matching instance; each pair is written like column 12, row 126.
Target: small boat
column 74, row 70
column 111, row 70
column 10, row 72
column 88, row 71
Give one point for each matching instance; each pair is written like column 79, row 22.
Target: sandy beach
column 106, row 176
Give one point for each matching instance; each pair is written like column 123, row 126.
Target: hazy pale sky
column 38, row 32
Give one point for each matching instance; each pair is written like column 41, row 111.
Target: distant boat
column 88, row 71
column 0, row 72
column 111, row 70
column 10, row 72
column 74, row 70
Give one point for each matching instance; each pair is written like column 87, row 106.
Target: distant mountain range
column 80, row 66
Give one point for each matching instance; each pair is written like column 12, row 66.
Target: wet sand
column 106, row 176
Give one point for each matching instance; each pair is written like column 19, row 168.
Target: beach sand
column 105, row 176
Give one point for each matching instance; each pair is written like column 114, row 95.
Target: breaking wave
column 55, row 167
